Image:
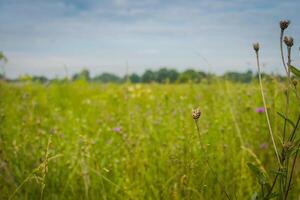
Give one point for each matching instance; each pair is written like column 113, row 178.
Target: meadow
column 80, row 140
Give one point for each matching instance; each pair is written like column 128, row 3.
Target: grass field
column 79, row 140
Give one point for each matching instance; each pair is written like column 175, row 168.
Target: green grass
column 156, row 155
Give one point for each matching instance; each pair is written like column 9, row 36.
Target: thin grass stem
column 265, row 107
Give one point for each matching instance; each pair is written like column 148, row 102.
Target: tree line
column 163, row 75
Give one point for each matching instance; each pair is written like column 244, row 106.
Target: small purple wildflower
column 260, row 110
column 117, row 129
column 263, row 146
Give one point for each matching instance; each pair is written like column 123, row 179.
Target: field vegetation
column 79, row 140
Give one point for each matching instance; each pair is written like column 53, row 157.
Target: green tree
column 164, row 75
column 191, row 75
column 83, row 75
column 4, row 60
column 134, row 78
column 149, row 76
column 239, row 77
column 107, row 77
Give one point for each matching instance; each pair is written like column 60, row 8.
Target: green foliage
column 134, row 78
column 166, row 75
column 106, row 78
column 239, row 77
column 260, row 175
column 3, row 57
column 287, row 119
column 191, row 75
column 163, row 75
column 83, row 75
column 295, row 71
column 149, row 76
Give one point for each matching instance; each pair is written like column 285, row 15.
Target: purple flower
column 263, row 146
column 117, row 129
column 260, row 110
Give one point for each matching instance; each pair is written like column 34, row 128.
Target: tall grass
column 136, row 141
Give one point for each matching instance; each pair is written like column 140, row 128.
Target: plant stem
column 294, row 131
column 45, row 168
column 281, row 51
column 286, row 113
column 274, row 182
column 292, row 171
column 265, row 107
column 287, row 92
column 198, row 130
column 289, row 63
column 209, row 167
column 288, row 76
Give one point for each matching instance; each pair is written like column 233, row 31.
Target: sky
column 58, row 38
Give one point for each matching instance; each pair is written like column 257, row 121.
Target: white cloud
column 50, row 34
column 120, row 3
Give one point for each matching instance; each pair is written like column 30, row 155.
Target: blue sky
column 42, row 37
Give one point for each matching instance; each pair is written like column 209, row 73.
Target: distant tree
column 173, row 75
column 41, row 79
column 149, row 76
column 3, row 59
column 164, row 75
column 248, row 76
column 83, row 75
column 25, row 78
column 191, row 75
column 266, row 76
column 107, row 77
column 239, row 77
column 134, row 78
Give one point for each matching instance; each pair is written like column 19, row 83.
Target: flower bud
column 284, row 24
column 196, row 113
column 256, row 46
column 295, row 82
column 289, row 41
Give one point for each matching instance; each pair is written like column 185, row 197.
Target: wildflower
column 289, row 41
column 117, row 129
column 284, row 24
column 263, row 145
column 196, row 113
column 260, row 110
column 256, row 46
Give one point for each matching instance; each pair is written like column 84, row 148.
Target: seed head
column 256, row 46
column 196, row 113
column 184, row 180
column 287, row 146
column 289, row 41
column 295, row 82
column 284, row 24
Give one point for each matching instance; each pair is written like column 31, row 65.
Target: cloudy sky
column 59, row 37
